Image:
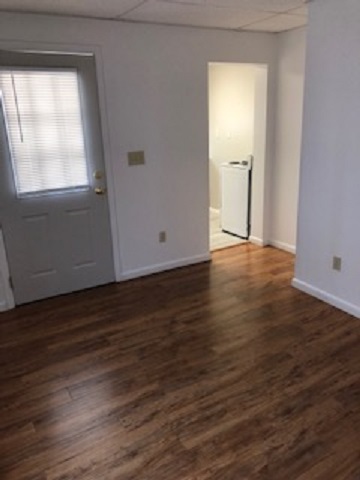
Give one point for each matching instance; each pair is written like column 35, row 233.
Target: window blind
column 43, row 116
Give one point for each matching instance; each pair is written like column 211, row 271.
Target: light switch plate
column 136, row 158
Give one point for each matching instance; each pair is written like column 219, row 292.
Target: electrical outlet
column 136, row 158
column 336, row 265
column 162, row 237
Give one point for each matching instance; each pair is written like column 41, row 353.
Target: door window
column 45, row 129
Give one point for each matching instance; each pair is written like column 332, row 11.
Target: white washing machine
column 235, row 197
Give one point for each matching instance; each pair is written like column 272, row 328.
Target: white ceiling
column 252, row 15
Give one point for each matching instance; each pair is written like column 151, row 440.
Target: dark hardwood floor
column 217, row 371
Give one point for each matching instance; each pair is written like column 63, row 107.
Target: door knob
column 100, row 191
column 98, row 174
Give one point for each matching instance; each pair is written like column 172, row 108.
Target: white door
column 53, row 204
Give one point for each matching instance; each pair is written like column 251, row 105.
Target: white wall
column 231, row 118
column 289, row 111
column 330, row 166
column 153, row 93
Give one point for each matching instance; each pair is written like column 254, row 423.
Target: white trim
column 215, row 210
column 326, row 297
column 109, row 165
column 6, row 296
column 161, row 267
column 257, row 241
column 283, row 246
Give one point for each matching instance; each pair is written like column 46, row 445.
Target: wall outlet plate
column 162, row 237
column 136, row 158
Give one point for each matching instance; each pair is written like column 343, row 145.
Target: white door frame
column 99, row 65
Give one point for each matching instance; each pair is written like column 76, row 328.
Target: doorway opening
column 237, row 139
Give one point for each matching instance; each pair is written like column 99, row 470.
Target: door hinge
column 11, row 283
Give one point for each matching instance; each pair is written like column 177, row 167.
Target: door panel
column 57, row 242
column 38, row 233
column 81, row 223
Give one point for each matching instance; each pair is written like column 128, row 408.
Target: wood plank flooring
column 217, row 371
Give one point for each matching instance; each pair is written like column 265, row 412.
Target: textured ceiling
column 252, row 15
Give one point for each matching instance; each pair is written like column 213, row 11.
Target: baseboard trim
column 257, row 241
column 162, row 267
column 283, row 246
column 326, row 297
